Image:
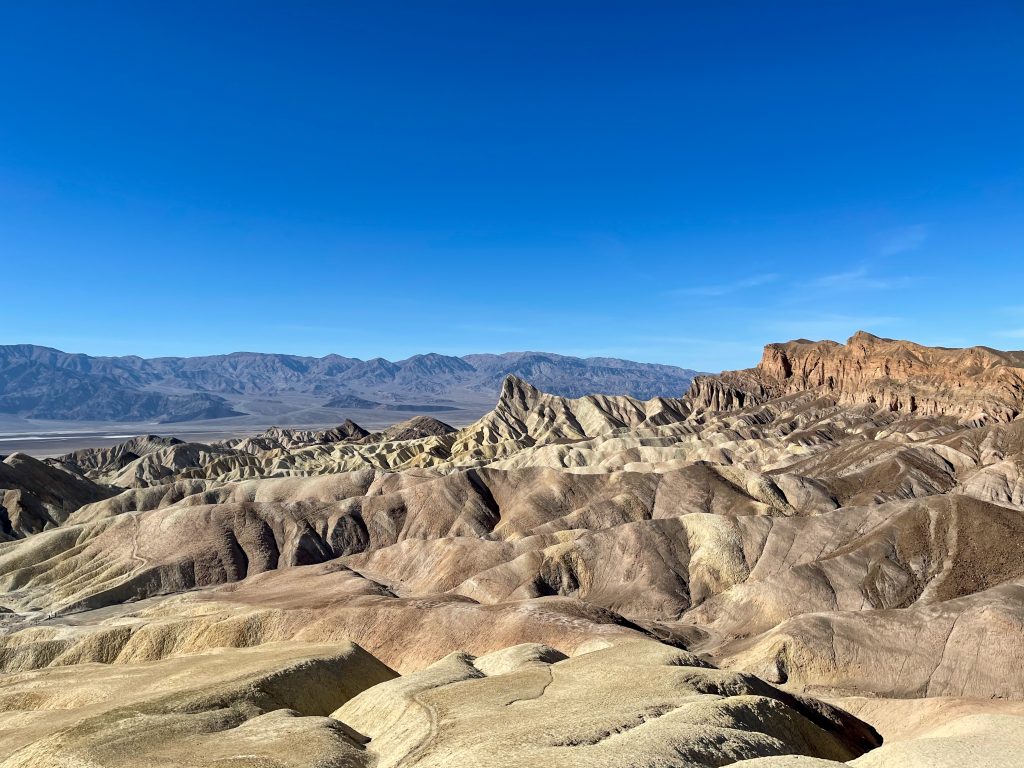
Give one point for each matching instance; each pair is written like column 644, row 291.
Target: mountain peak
column 898, row 375
column 41, row 383
column 864, row 337
column 518, row 392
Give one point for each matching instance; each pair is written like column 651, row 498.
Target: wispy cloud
column 727, row 288
column 1010, row 315
column 904, row 240
column 1015, row 310
column 854, row 280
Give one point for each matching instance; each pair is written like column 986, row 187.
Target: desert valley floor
column 815, row 562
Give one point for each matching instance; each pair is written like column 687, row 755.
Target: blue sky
column 668, row 182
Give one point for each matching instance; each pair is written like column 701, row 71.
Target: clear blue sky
column 670, row 182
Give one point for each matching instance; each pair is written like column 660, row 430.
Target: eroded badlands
column 815, row 562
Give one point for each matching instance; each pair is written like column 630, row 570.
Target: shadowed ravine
column 815, row 562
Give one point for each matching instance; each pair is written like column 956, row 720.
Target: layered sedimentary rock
column 35, row 496
column 976, row 384
column 840, row 523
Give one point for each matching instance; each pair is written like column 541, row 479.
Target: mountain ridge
column 46, row 383
column 974, row 384
column 784, row 538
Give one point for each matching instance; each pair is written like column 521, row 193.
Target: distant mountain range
column 43, row 383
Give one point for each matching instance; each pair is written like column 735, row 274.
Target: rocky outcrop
column 411, row 429
column 35, row 496
column 731, row 391
column 99, row 461
column 975, row 385
column 526, row 417
column 841, row 522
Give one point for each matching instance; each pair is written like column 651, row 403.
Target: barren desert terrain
column 818, row 561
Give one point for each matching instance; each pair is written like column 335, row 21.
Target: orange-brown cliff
column 973, row 384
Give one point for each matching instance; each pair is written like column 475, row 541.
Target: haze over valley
column 53, row 401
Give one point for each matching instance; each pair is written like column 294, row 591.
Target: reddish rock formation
column 976, row 384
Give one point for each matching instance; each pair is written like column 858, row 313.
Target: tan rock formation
column 842, row 521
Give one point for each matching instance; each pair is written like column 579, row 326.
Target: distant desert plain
column 269, row 561
column 54, row 402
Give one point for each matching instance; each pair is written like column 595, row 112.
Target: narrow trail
column 134, row 554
